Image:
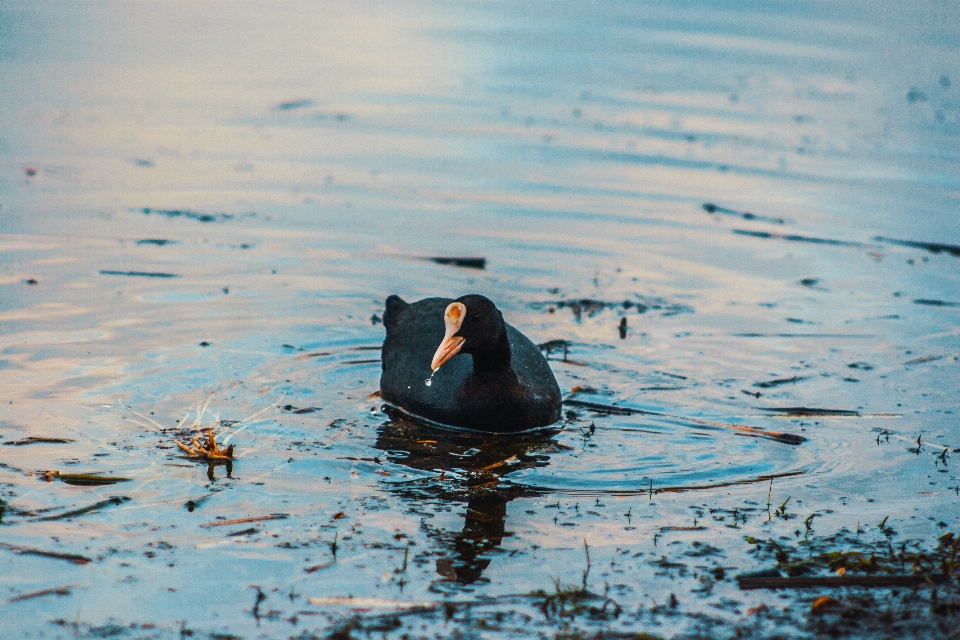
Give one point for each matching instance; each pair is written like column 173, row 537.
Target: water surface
column 203, row 207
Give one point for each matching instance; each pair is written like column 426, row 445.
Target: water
column 203, row 208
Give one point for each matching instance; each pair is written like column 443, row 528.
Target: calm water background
column 301, row 159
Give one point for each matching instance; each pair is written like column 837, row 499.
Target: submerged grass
column 856, row 556
column 569, row 601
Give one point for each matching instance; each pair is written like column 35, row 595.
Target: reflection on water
column 473, row 469
column 733, row 223
column 486, row 473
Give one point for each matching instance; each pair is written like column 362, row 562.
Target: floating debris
column 294, row 104
column 109, row 502
column 932, row 247
column 69, row 557
column 59, row 591
column 83, row 479
column 709, row 207
column 803, row 335
column 823, row 603
column 339, row 117
column 345, row 363
column 192, row 505
column 936, row 303
column 206, row 451
column 187, row 213
column 797, row 238
column 466, row 263
column 289, row 408
column 589, row 307
column 512, row 461
column 769, row 384
column 916, row 95
column 156, row 241
column 808, row 412
column 227, row 523
column 555, row 345
column 369, row 602
column 855, row 568
column 37, row 440
column 802, row 582
column 139, row 274
column 604, row 408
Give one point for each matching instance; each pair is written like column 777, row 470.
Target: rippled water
column 203, row 207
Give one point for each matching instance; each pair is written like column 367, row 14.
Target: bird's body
column 484, row 374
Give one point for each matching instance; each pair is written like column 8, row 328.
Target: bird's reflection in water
column 473, row 467
column 212, row 464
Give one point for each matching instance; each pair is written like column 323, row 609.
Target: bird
column 457, row 363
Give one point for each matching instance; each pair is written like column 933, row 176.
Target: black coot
column 458, row 363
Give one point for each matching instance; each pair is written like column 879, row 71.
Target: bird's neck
column 494, row 360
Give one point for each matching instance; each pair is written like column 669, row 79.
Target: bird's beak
column 451, row 343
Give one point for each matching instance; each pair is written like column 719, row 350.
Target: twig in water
column 114, row 500
column 69, row 557
column 207, row 451
column 60, row 591
column 317, row 567
column 586, row 572
column 751, row 582
column 261, row 596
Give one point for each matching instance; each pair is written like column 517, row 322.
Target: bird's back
column 413, row 333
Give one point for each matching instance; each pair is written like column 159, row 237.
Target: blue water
column 303, row 159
